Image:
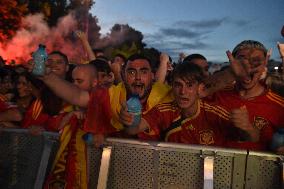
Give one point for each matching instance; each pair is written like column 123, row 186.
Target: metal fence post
column 49, row 140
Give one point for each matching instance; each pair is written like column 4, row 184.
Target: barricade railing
column 25, row 158
column 264, row 171
column 131, row 164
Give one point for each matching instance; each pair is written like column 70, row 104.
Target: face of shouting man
column 138, row 78
column 187, row 84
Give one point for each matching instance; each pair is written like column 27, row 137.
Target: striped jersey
column 266, row 113
column 204, row 127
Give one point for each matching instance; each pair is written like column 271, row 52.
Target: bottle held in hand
column 134, row 106
column 39, row 56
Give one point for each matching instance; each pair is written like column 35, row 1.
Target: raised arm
column 116, row 69
column 66, row 90
column 84, row 40
column 163, row 68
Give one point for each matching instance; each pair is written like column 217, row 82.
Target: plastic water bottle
column 134, row 106
column 39, row 56
column 88, row 138
column 277, row 139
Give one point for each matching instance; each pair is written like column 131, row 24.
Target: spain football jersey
column 266, row 113
column 204, row 127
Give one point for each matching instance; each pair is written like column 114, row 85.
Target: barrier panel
column 94, row 156
column 24, row 158
column 130, row 164
column 264, row 171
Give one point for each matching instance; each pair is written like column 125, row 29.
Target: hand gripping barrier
column 131, row 164
column 25, row 159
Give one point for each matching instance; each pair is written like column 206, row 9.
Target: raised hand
column 30, row 66
column 239, row 68
column 240, row 119
column 164, row 58
column 268, row 55
column 163, row 68
column 281, row 49
column 81, row 35
column 242, row 68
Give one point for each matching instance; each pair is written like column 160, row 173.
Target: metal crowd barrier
column 25, row 159
column 130, row 164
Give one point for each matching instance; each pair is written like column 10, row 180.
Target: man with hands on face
column 256, row 111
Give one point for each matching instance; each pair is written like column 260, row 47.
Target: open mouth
column 183, row 100
column 138, row 88
column 249, row 78
column 54, row 69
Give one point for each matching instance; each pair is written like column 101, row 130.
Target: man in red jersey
column 70, row 168
column 254, row 108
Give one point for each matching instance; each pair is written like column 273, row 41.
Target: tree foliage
column 11, row 13
column 122, row 39
column 54, row 9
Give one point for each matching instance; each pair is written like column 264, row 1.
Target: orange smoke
column 35, row 31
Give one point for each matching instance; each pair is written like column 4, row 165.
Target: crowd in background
column 238, row 106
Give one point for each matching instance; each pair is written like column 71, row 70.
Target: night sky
column 209, row 27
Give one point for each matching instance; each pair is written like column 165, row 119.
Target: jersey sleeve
column 154, row 120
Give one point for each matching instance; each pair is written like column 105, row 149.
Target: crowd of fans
column 232, row 108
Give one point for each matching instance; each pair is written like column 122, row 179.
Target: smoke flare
column 35, row 31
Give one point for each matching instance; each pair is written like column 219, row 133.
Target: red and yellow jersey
column 205, row 127
column 266, row 113
column 35, row 116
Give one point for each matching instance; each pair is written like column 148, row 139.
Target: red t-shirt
column 205, row 127
column 266, row 112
